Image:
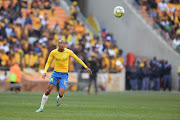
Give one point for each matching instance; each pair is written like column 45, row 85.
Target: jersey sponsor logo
column 62, row 60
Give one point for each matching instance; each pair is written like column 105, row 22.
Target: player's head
column 61, row 44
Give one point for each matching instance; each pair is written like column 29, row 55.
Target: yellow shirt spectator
column 33, row 60
column 108, row 44
column 1, row 43
column 112, row 63
column 18, row 31
column 121, row 59
column 178, row 70
column 17, row 57
column 27, row 60
column 69, row 39
column 116, row 50
column 12, row 60
column 71, row 65
column 36, row 23
column 4, row 59
column 105, row 63
column 42, row 61
column 44, row 51
column 25, row 44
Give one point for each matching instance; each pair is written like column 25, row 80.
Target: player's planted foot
column 58, row 101
column 39, row 110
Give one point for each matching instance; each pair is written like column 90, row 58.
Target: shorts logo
column 65, row 82
column 51, row 79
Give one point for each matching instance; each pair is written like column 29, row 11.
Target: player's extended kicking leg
column 45, row 97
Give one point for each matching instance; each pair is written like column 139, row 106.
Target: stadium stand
column 163, row 13
column 30, row 30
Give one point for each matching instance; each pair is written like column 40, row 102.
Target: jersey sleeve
column 77, row 59
column 51, row 56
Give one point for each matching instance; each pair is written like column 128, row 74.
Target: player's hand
column 89, row 70
column 44, row 75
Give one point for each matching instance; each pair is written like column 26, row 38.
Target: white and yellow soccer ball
column 119, row 11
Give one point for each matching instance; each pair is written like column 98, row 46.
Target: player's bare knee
column 61, row 95
column 47, row 92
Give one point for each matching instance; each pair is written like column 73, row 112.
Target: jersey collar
column 62, row 51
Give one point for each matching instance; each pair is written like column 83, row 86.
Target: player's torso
column 61, row 60
column 61, row 56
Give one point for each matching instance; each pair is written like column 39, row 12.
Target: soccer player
column 60, row 73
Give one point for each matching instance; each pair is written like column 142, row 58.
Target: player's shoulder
column 55, row 50
column 68, row 50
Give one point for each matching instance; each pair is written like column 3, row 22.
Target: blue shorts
column 61, row 77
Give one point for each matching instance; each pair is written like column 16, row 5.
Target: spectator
column 74, row 10
column 167, row 76
column 156, row 77
column 166, row 17
column 105, row 63
column 179, row 76
column 175, row 1
column 9, row 31
column 163, row 6
column 146, row 72
column 44, row 22
column 119, row 61
column 94, row 66
column 176, row 42
column 56, row 28
column 133, row 77
column 28, row 19
column 47, row 5
column 4, row 59
column 153, row 9
column 139, row 77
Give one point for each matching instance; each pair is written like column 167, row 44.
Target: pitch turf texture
column 78, row 106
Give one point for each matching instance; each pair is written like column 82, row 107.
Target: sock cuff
column 44, row 96
column 58, row 96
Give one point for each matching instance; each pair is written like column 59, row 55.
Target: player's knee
column 47, row 92
column 61, row 94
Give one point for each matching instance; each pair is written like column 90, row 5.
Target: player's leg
column 52, row 82
column 60, row 95
column 62, row 87
column 45, row 97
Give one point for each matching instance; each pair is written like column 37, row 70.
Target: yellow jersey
column 62, row 60
column 178, row 70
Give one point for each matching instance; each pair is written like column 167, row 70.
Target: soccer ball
column 119, row 11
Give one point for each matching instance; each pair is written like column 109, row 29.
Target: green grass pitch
column 77, row 106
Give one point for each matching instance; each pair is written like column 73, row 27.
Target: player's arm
column 81, row 62
column 51, row 56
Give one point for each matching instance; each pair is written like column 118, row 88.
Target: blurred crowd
column 147, row 74
column 28, row 39
column 166, row 14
